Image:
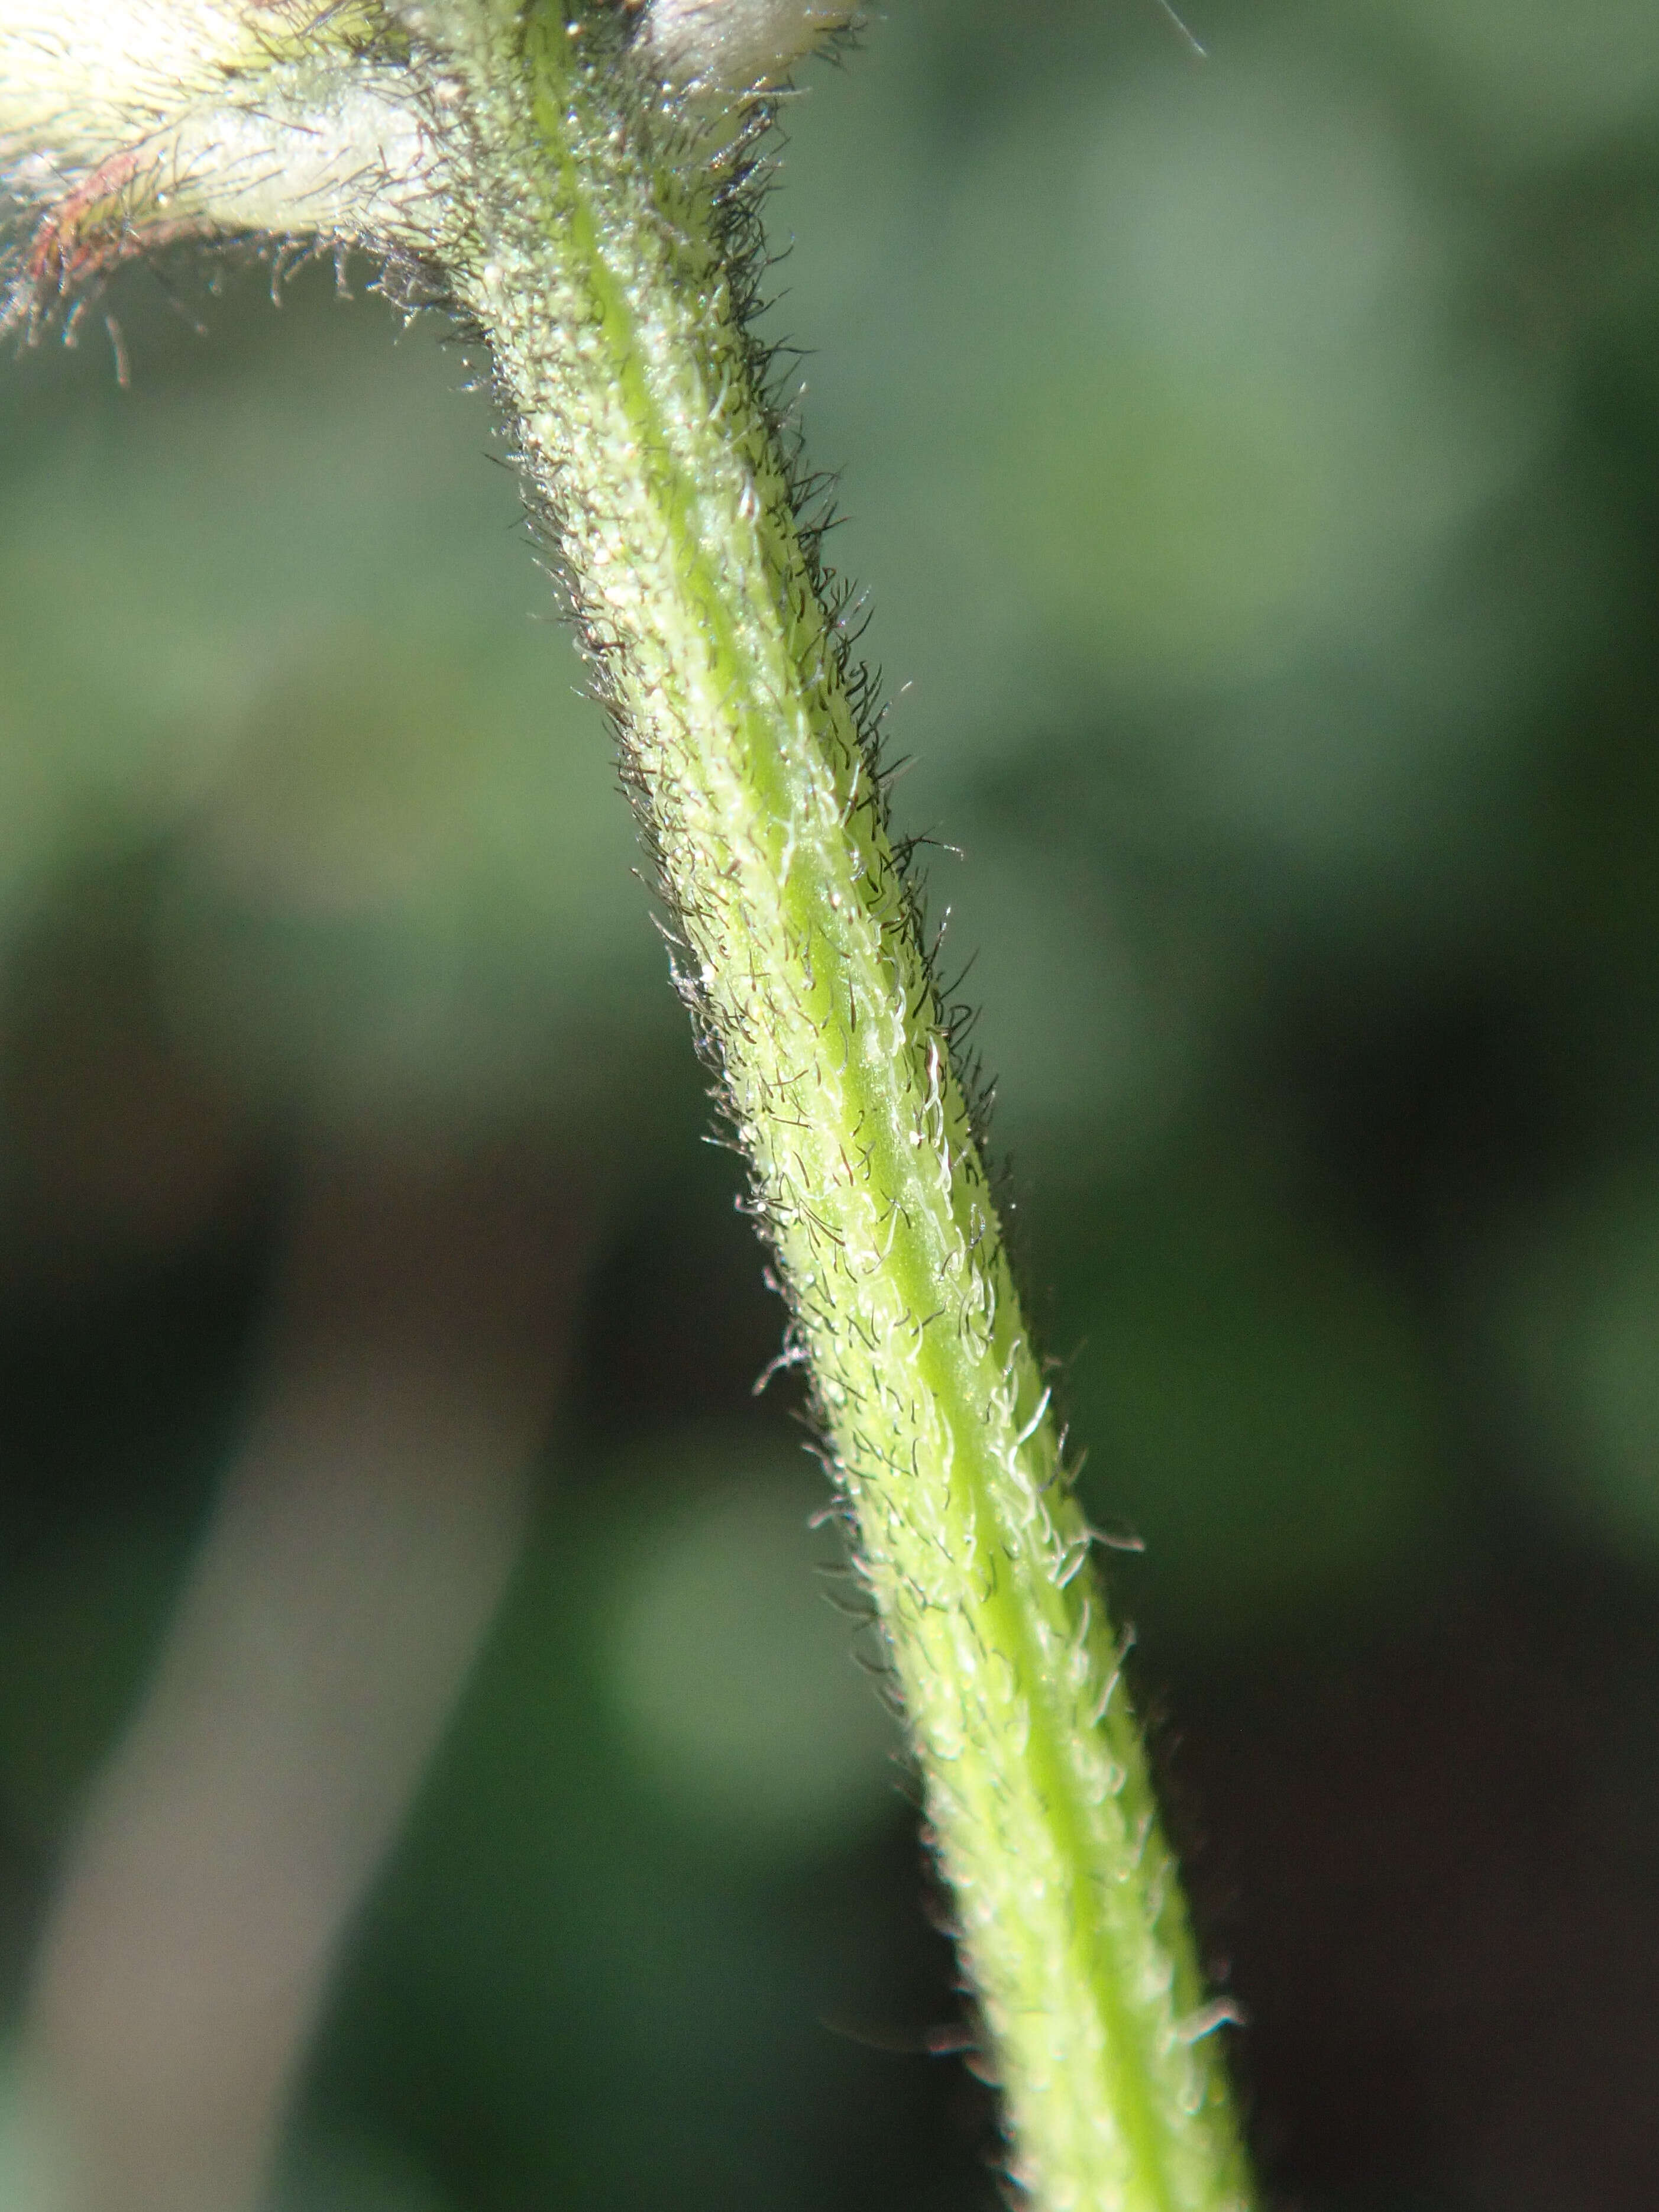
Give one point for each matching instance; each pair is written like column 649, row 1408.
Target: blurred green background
column 1254, row 467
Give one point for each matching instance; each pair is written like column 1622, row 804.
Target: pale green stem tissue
column 576, row 211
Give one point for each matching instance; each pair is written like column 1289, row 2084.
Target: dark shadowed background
column 1254, row 465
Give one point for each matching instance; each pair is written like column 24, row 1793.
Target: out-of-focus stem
column 367, row 1528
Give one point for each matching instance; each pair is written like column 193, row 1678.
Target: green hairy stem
column 579, row 218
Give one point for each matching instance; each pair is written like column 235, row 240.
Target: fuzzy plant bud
column 735, row 46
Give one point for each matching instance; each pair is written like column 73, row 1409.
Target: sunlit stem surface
column 591, row 256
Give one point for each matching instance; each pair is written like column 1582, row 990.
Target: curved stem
column 127, row 123
column 593, row 262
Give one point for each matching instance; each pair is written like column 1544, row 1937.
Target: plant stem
column 575, row 208
column 592, row 259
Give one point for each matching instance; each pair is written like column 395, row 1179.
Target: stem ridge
column 648, row 436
